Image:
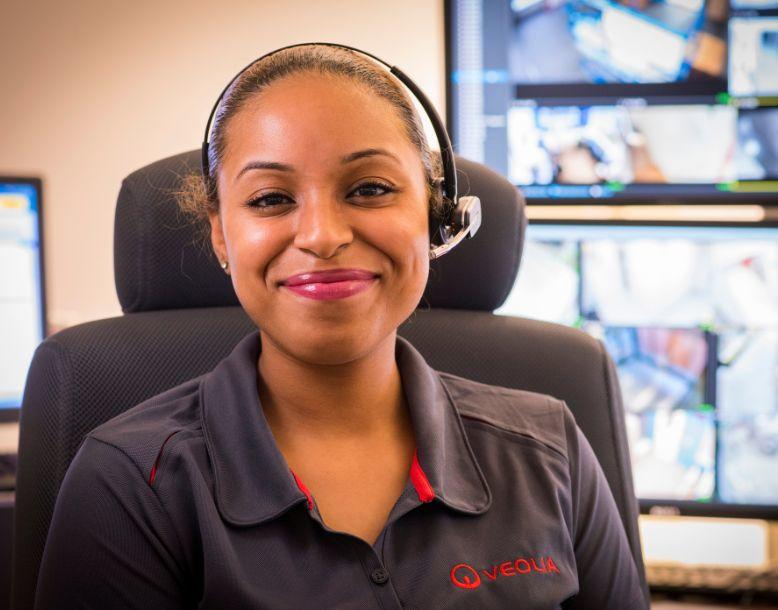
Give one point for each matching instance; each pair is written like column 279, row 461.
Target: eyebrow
column 366, row 153
column 285, row 167
column 274, row 165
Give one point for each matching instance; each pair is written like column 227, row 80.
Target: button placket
column 380, row 576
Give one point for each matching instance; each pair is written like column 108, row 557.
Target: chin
column 326, row 345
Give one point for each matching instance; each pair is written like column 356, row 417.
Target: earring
column 225, row 265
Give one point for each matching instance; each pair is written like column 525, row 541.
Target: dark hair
column 199, row 195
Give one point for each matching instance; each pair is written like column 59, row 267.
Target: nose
column 322, row 227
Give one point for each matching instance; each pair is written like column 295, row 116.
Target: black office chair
column 182, row 317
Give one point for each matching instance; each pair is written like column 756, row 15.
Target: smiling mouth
column 330, row 284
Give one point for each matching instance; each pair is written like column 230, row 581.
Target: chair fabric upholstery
column 182, row 319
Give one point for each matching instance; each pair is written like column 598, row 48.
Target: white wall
column 92, row 89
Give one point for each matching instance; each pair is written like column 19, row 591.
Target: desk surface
column 696, row 602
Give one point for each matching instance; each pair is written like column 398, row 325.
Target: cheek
column 251, row 247
column 407, row 245
column 420, row 265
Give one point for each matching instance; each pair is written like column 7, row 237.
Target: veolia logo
column 465, row 576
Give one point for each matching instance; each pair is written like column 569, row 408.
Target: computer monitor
column 22, row 306
column 646, row 101
column 689, row 314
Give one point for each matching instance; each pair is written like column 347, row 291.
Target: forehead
column 310, row 114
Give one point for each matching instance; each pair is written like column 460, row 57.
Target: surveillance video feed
column 619, row 101
column 672, row 432
column 605, row 41
column 675, row 307
column 645, row 281
column 748, row 416
column 548, row 288
column 753, row 60
column 684, row 144
column 744, row 282
column 697, row 281
column 756, row 157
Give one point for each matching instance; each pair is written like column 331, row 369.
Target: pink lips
column 331, row 284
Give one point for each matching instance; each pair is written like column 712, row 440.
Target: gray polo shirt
column 186, row 501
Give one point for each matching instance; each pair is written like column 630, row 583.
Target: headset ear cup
column 441, row 209
column 467, row 215
column 441, row 222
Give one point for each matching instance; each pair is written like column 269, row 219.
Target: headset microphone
column 462, row 217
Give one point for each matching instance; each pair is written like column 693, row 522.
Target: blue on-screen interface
column 21, row 324
column 690, row 317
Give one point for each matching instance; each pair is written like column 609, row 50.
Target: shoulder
column 537, row 418
column 164, row 420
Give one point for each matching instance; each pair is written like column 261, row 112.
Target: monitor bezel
column 692, row 199
column 12, row 414
column 692, row 508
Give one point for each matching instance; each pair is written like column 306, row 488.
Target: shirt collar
column 253, row 482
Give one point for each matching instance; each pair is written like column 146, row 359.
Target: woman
column 323, row 463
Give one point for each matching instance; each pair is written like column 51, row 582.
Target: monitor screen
column 690, row 317
column 603, row 100
column 22, row 319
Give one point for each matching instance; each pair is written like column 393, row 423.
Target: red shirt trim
column 153, row 474
column 303, row 489
column 420, row 481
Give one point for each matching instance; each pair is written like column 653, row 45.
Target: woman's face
column 323, row 217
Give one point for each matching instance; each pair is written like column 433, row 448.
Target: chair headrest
column 162, row 262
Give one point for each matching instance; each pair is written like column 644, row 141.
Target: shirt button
column 379, row 576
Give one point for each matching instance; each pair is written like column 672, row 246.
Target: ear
column 217, row 236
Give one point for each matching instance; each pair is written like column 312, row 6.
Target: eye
column 371, row 189
column 272, row 199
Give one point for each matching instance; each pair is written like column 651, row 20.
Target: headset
column 462, row 215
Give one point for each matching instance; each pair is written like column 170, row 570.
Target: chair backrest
column 169, row 284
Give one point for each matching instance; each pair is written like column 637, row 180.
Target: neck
column 357, row 399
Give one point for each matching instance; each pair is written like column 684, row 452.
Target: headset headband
column 463, row 217
column 446, row 151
